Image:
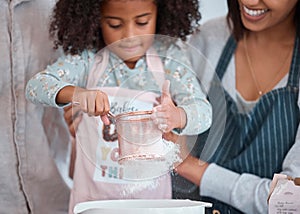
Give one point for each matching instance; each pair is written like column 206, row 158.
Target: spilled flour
column 145, row 169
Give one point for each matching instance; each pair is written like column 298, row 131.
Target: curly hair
column 75, row 24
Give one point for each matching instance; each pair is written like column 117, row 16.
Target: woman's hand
column 72, row 117
column 166, row 115
column 192, row 169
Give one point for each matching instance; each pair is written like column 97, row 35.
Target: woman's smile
column 254, row 14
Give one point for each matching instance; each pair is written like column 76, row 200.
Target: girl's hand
column 92, row 102
column 166, row 115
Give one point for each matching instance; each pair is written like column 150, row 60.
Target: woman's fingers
column 74, row 125
column 72, row 116
column 68, row 114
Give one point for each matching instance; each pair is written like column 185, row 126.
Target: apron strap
column 226, row 56
column 294, row 75
column 99, row 66
column 155, row 66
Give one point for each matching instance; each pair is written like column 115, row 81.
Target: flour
column 148, row 166
column 132, row 188
column 145, row 171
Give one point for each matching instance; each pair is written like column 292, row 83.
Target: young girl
column 101, row 80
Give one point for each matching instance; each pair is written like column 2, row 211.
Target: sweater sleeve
column 187, row 92
column 67, row 70
column 246, row 192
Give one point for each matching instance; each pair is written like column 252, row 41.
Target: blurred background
column 212, row 8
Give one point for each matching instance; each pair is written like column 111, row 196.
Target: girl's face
column 123, row 24
column 259, row 15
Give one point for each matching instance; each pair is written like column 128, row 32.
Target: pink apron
column 97, row 175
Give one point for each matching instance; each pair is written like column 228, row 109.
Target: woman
column 256, row 55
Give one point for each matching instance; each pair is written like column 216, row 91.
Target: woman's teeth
column 254, row 12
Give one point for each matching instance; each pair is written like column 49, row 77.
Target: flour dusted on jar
column 151, row 165
column 146, row 171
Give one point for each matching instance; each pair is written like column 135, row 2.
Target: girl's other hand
column 166, row 115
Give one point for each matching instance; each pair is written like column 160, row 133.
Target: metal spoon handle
column 111, row 114
column 112, row 117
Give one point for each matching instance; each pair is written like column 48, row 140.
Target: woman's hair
column 75, row 24
column 235, row 22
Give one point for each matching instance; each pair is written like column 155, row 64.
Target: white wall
column 212, row 8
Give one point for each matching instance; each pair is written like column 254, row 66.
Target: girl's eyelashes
column 116, row 23
column 116, row 26
column 112, row 23
column 142, row 23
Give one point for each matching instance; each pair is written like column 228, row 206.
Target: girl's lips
column 254, row 14
column 131, row 48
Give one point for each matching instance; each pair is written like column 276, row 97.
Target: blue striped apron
column 257, row 142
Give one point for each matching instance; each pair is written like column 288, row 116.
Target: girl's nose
column 129, row 31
